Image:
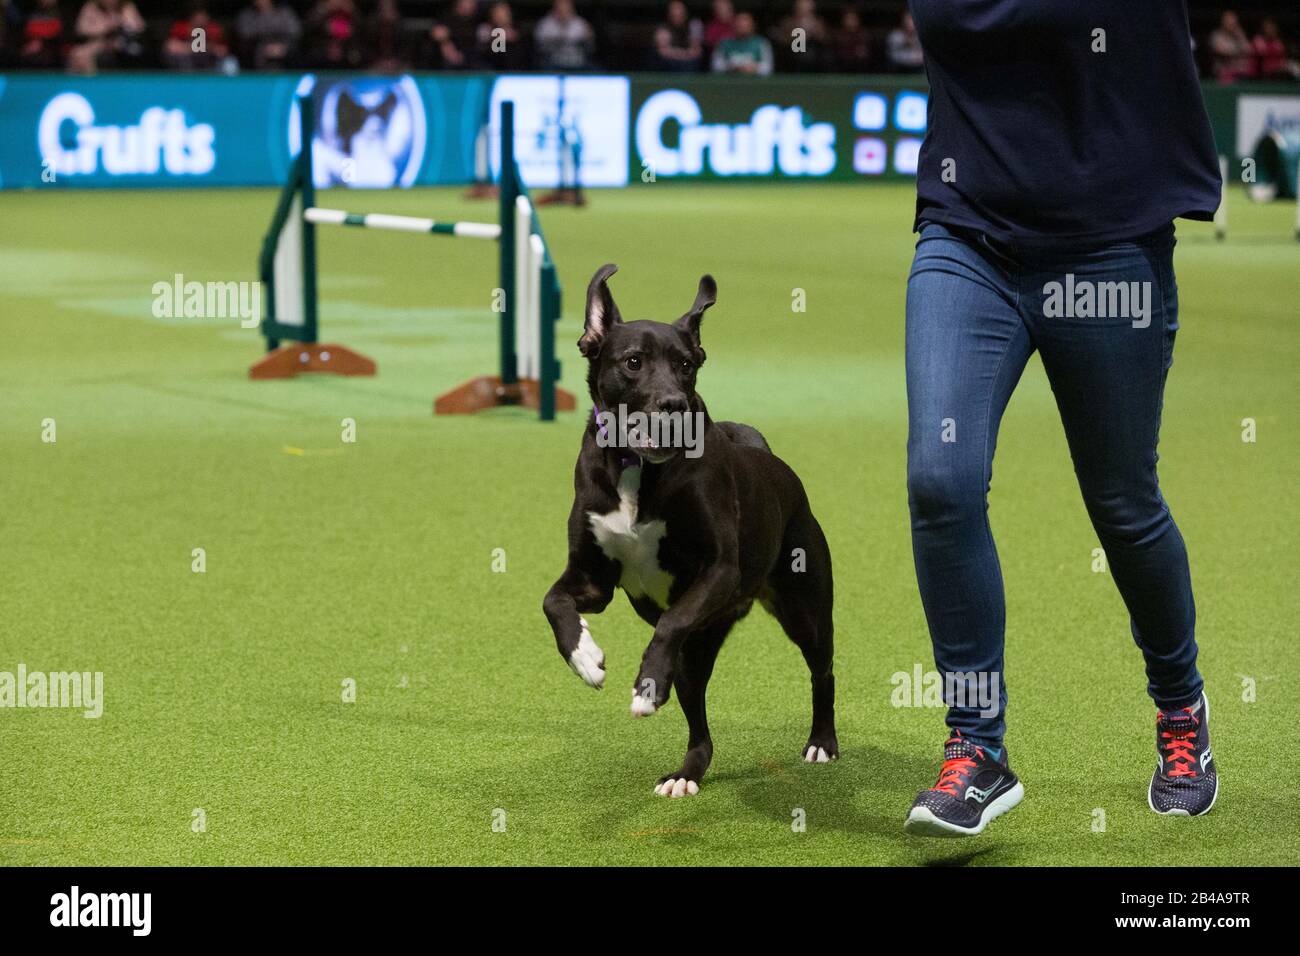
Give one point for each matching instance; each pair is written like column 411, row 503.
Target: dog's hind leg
column 695, row 667
column 801, row 596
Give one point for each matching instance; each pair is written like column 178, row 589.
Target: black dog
column 692, row 540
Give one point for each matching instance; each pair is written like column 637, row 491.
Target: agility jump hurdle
column 1274, row 172
column 528, row 372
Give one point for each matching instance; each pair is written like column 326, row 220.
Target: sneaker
column 975, row 786
column 1185, row 783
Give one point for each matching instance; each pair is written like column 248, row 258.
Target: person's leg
column 1108, row 375
column 966, row 348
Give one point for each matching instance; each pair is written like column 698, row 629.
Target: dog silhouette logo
column 370, row 132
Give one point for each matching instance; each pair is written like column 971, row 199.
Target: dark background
column 624, row 29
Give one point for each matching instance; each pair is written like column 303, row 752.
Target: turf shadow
column 832, row 795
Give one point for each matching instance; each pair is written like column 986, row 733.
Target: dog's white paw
column 679, row 787
column 642, row 706
column 817, row 755
column 587, row 659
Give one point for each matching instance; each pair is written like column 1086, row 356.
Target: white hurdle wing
column 527, row 283
column 287, row 268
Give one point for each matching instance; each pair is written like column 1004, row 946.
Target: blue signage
column 163, row 130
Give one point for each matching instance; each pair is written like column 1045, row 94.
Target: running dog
column 693, row 536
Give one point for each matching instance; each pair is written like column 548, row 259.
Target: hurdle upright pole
column 507, row 193
column 307, row 130
column 548, row 367
column 1297, row 200
column 1221, row 214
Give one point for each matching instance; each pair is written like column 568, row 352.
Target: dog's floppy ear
column 705, row 297
column 601, row 311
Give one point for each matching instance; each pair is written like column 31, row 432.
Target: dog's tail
column 745, row 435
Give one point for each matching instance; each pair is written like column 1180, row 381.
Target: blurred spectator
column 451, row 48
column 803, row 32
column 11, row 30
column 333, row 35
column 721, row 26
column 269, row 34
column 42, row 43
column 186, row 50
column 678, row 41
column 109, row 34
column 1230, row 50
column 563, row 39
column 500, row 45
column 439, row 52
column 1271, row 61
column 385, row 39
column 394, row 35
column 746, row 52
column 455, row 37
column 851, row 45
column 903, row 47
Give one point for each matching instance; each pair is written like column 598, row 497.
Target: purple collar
column 625, row 460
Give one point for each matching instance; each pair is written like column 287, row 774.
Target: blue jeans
column 976, row 311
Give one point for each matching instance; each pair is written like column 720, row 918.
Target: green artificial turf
column 374, row 560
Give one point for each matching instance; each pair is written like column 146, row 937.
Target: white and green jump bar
column 529, row 371
column 378, row 220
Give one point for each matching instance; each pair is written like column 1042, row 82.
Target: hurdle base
column 290, row 360
column 565, row 196
column 486, row 391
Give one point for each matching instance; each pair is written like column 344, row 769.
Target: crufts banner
column 164, row 130
column 797, row 127
column 421, row 129
column 161, row 130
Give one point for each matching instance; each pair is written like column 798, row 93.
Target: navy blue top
column 1051, row 142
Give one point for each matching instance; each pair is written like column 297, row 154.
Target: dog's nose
column 674, row 403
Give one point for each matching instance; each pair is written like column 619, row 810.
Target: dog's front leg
column 711, row 593
column 574, row 594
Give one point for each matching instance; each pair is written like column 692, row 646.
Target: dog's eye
column 633, row 362
column 686, row 365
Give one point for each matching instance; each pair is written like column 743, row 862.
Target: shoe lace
column 954, row 774
column 1180, row 757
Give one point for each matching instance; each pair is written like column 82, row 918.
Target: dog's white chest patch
column 633, row 544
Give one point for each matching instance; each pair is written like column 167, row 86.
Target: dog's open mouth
column 648, row 448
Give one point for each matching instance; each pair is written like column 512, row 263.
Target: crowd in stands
column 720, row 36
column 1237, row 55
